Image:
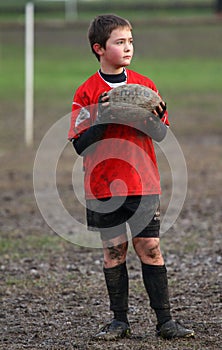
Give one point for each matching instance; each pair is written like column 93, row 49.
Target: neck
column 111, row 70
column 114, row 78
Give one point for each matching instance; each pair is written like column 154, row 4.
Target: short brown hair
column 101, row 28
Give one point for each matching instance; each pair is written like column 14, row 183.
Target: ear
column 98, row 49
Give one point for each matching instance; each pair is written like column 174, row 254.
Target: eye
column 120, row 42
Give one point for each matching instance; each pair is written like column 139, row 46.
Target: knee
column 148, row 250
column 153, row 250
column 115, row 255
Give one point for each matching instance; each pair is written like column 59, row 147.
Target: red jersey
column 124, row 161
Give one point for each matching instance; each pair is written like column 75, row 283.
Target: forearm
column 155, row 128
column 89, row 137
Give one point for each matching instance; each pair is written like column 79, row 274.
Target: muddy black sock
column 121, row 316
column 117, row 285
column 155, row 281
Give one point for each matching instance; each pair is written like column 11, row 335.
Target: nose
column 127, row 47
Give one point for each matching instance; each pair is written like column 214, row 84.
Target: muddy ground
column 53, row 294
column 52, row 291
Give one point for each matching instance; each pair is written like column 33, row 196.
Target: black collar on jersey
column 114, row 78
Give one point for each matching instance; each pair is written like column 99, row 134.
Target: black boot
column 156, row 284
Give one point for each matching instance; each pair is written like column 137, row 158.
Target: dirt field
column 52, row 292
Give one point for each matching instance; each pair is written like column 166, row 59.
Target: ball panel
column 132, row 101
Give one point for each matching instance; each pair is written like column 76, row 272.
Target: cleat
column 113, row 330
column 174, row 329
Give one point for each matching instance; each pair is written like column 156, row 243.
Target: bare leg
column 114, row 251
column 148, row 250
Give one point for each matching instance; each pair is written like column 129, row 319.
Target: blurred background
column 177, row 44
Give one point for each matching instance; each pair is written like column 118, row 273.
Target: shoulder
column 90, row 82
column 87, row 91
column 137, row 78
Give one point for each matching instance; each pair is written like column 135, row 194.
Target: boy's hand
column 103, row 99
column 103, row 110
column 160, row 110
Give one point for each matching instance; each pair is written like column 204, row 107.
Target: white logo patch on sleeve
column 83, row 115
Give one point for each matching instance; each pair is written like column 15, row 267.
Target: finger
column 159, row 109
column 102, row 97
column 155, row 112
column 105, row 98
column 105, row 104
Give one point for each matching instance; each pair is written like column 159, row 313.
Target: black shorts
column 110, row 215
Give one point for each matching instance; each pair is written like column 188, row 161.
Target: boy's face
column 118, row 52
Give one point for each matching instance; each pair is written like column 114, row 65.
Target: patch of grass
column 183, row 76
column 60, row 79
column 12, row 73
column 191, row 63
column 19, row 246
column 7, row 245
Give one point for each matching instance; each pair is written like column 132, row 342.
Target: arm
column 95, row 132
column 153, row 125
column 159, row 128
column 89, row 137
column 155, row 128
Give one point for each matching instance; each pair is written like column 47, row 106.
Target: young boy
column 114, row 169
